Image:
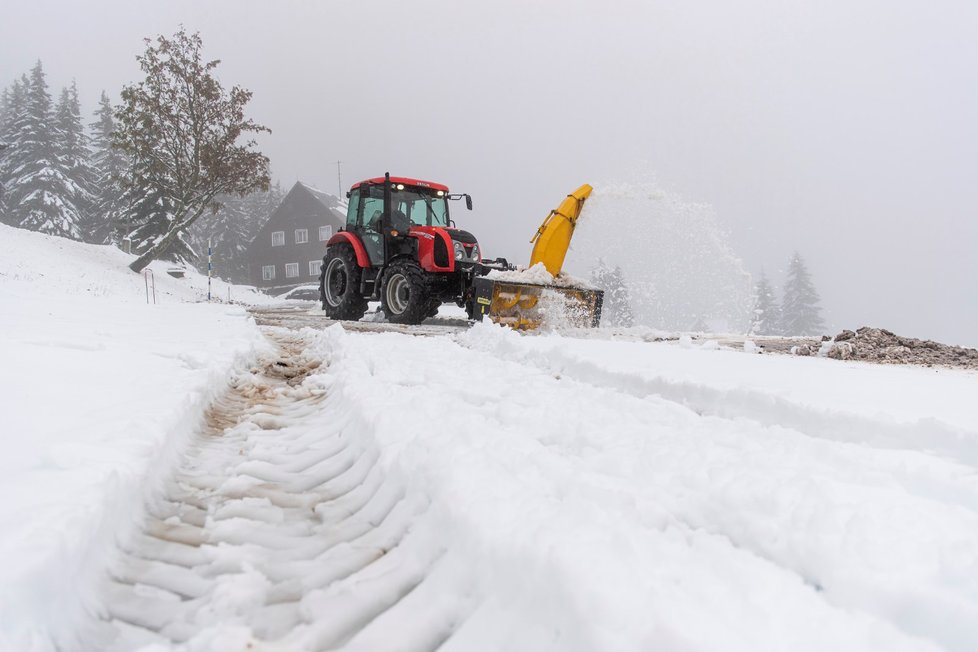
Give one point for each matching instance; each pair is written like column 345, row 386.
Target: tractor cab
column 384, row 210
column 424, row 203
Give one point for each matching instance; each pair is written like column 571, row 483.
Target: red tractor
column 400, row 246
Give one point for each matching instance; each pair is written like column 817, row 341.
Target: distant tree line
column 110, row 182
column 797, row 313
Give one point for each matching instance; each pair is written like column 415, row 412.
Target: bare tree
column 181, row 130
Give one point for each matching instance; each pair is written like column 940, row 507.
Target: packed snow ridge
column 538, row 275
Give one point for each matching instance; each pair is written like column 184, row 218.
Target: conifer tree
column 74, row 154
column 107, row 220
column 4, row 109
column 229, row 233
column 41, row 194
column 231, row 230
column 766, row 318
column 150, row 212
column 12, row 107
column 616, row 309
column 800, row 313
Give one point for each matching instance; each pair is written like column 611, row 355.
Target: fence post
column 150, row 282
column 210, row 267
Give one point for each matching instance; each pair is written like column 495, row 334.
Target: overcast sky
column 845, row 130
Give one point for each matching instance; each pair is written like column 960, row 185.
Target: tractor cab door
column 366, row 209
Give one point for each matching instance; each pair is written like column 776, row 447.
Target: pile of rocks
column 882, row 346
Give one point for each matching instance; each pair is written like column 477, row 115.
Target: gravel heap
column 882, row 346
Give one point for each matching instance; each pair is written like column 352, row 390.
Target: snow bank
column 599, row 514
column 50, row 265
column 98, row 389
column 904, row 407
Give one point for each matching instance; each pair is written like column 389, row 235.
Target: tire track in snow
column 297, row 317
column 279, row 530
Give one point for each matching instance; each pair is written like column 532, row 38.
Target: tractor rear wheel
column 339, row 285
column 404, row 295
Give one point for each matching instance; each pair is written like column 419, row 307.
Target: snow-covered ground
column 570, row 493
column 99, row 392
column 626, row 496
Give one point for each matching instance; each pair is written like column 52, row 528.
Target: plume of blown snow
column 680, row 271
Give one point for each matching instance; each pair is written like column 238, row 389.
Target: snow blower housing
column 400, row 246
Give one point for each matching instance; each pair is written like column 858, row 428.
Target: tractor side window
column 373, row 208
column 351, row 211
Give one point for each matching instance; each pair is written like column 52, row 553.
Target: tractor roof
column 407, row 181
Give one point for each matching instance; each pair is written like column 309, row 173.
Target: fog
column 845, row 131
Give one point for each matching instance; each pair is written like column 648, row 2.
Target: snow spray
column 678, row 267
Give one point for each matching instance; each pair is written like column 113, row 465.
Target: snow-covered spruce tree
column 767, row 313
column 230, row 234
column 616, row 310
column 150, row 214
column 106, row 222
column 181, row 130
column 41, row 193
column 75, row 154
column 13, row 105
column 800, row 314
column 231, row 230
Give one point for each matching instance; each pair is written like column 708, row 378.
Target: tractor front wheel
column 339, row 285
column 404, row 295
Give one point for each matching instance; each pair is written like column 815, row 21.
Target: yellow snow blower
column 524, row 299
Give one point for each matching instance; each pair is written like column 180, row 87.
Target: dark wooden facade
column 278, row 250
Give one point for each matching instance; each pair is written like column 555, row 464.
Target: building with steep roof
column 288, row 250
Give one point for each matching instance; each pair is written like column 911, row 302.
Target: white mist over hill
column 678, row 266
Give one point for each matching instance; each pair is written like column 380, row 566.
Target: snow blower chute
column 523, row 299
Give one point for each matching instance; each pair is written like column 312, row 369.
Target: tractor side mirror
column 468, row 199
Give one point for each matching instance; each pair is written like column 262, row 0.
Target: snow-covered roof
column 328, row 200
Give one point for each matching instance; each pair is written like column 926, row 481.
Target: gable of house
column 290, row 246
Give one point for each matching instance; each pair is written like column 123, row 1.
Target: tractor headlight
column 475, row 252
column 459, row 251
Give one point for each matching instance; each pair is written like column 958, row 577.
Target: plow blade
column 525, row 306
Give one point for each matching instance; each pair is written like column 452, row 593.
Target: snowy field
column 624, row 496
column 562, row 493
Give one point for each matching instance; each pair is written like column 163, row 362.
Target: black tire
column 404, row 295
column 339, row 285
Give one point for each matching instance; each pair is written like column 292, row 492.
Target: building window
column 301, row 236
column 278, row 238
column 268, row 272
column 314, row 267
column 325, row 233
column 291, row 270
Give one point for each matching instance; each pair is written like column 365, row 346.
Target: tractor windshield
column 423, row 207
